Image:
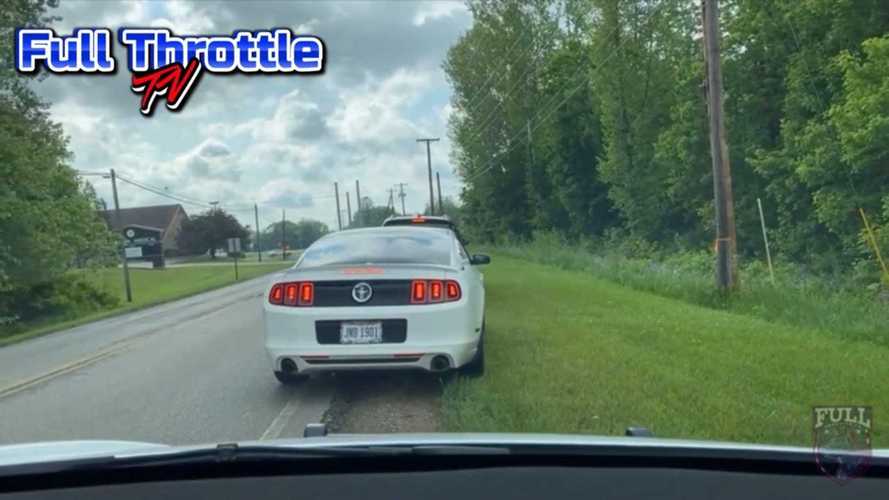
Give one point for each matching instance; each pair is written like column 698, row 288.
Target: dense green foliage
column 296, row 235
column 588, row 117
column 48, row 221
column 208, row 231
column 370, row 215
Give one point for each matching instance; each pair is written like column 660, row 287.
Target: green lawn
column 150, row 287
column 567, row 352
column 249, row 258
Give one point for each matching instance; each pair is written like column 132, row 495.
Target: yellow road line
column 23, row 384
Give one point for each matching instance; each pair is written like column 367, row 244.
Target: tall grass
column 839, row 304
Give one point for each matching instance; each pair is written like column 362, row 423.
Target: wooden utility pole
column 348, row 210
column 339, row 216
column 358, row 201
column 401, row 195
column 429, row 169
column 123, row 251
column 726, row 244
column 258, row 244
column 440, row 205
column 283, row 234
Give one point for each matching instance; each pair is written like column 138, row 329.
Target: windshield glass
column 670, row 214
column 418, row 246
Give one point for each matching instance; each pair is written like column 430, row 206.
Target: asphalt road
column 191, row 371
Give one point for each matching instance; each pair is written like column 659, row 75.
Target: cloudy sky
column 280, row 141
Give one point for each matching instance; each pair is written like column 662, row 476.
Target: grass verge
column 248, row 258
column 837, row 305
column 150, row 287
column 571, row 353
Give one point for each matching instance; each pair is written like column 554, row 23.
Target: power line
column 491, row 118
column 551, row 109
column 167, row 191
column 476, row 101
column 165, row 194
column 193, row 201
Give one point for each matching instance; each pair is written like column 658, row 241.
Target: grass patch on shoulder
column 570, row 353
column 842, row 304
column 150, row 287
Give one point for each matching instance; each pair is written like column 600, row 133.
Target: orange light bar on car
column 419, row 219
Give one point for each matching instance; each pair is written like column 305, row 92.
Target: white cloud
column 285, row 193
column 430, row 11
column 376, row 110
column 131, row 13
column 185, row 18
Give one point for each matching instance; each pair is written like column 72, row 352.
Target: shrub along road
column 567, row 352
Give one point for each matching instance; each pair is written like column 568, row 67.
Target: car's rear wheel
column 476, row 367
column 287, row 378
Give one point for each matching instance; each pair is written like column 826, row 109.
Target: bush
column 70, row 295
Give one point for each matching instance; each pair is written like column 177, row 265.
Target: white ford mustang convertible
column 382, row 297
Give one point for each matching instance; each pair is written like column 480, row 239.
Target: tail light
column 276, row 295
column 306, row 293
column 434, row 291
column 452, row 291
column 418, row 292
column 292, row 294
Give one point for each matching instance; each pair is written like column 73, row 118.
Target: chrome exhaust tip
column 289, row 366
column 440, row 363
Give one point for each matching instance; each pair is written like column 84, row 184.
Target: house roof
column 157, row 216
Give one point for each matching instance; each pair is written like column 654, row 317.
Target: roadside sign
column 133, row 252
column 234, row 245
column 234, row 249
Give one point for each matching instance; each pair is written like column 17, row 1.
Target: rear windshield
column 410, row 247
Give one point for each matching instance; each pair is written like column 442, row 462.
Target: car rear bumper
column 375, row 357
column 434, row 332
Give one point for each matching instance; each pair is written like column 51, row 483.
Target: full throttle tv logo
column 166, row 65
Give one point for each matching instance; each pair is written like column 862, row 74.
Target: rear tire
column 476, row 367
column 290, row 378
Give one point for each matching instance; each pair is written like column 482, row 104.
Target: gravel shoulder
column 385, row 402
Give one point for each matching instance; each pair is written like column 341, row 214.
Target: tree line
column 589, row 118
column 48, row 215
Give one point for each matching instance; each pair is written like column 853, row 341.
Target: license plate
column 353, row 332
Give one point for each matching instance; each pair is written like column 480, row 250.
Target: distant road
column 188, row 371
